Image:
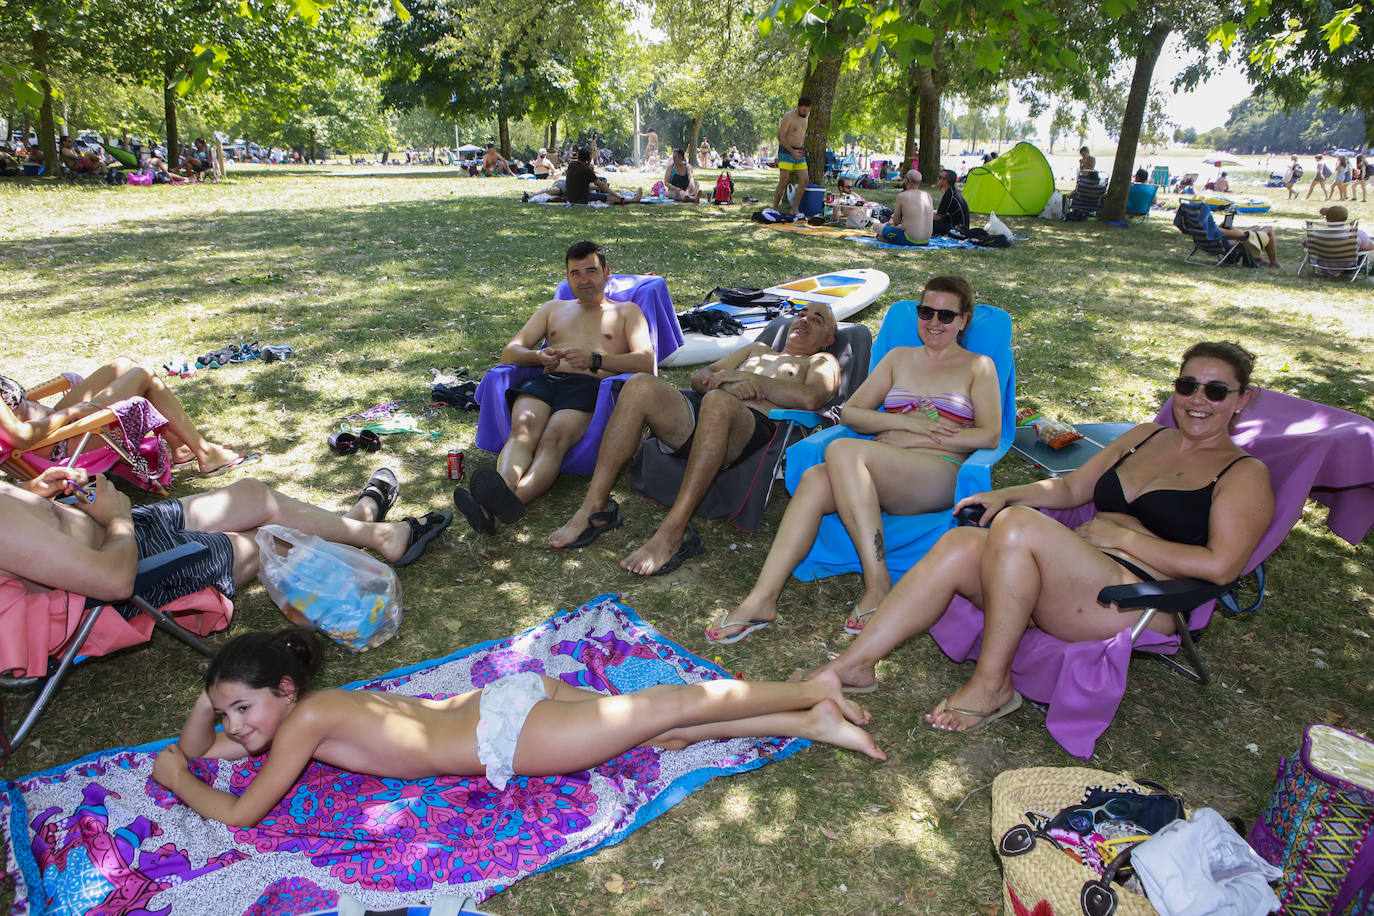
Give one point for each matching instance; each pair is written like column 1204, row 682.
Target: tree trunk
column 47, row 133
column 913, row 99
column 819, row 83
column 169, row 107
column 929, row 81
column 553, row 134
column 692, row 135
column 503, row 129
column 313, row 155
column 1119, row 186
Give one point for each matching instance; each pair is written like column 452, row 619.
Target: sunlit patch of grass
column 376, row 278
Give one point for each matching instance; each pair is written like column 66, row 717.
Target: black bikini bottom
column 1136, row 570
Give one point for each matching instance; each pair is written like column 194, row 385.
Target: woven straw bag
column 1045, row 877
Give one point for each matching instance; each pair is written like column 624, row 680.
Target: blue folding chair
column 907, row 538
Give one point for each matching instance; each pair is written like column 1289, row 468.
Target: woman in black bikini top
column 1156, row 514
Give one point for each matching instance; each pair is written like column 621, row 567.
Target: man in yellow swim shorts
column 791, row 155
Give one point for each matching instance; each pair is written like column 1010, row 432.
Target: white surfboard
column 845, row 291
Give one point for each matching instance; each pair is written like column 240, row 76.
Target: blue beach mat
column 939, row 241
column 99, row 835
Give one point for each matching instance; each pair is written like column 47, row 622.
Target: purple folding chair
column 1310, row 450
column 650, row 293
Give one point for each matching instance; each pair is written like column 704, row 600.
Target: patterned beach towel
column 100, row 836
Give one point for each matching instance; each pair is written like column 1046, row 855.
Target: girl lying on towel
column 525, row 724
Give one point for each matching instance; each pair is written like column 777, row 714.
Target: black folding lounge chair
column 740, row 494
column 1193, row 219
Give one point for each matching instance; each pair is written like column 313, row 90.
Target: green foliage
column 1288, row 43
column 1263, row 123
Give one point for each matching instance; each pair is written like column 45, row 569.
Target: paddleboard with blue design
column 845, row 291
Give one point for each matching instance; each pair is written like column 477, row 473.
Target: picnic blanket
column 829, row 232
column 939, row 241
column 100, row 836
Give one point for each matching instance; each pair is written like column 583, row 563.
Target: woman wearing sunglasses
column 939, row 402
column 1170, row 503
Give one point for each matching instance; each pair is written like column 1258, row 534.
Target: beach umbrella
column 1221, row 160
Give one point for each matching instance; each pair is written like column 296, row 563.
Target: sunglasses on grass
column 1186, row 385
column 946, row 316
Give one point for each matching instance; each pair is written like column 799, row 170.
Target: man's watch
column 596, row 362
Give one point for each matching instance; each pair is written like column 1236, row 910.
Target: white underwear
column 504, row 705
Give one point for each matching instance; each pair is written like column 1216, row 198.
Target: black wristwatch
column 596, row 362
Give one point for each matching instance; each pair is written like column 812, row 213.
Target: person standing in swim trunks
column 791, row 155
column 576, row 342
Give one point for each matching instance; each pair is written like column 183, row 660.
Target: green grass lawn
column 376, row 276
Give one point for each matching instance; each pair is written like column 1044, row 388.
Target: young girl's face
column 252, row 715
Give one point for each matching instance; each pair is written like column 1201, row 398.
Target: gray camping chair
column 740, row 493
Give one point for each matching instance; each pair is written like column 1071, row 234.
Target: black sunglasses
column 1216, row 392
column 946, row 316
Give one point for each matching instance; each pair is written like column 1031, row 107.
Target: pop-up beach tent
column 1017, row 183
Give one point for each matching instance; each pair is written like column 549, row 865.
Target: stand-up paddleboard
column 845, row 291
column 1239, row 204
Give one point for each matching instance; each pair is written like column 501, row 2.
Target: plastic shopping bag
column 350, row 596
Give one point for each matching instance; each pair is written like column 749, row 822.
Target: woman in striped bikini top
column 902, row 459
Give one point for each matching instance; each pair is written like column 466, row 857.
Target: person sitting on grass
column 87, row 163
column 524, row 724
column 576, row 342
column 581, row 184
column 952, row 212
column 940, row 403
column 1171, row 502
column 93, row 548
column 197, row 160
column 494, row 164
column 9, row 163
column 912, row 217
column 24, row 422
column 717, row 423
column 542, row 167
column 680, row 180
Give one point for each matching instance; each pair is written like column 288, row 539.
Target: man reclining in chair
column 577, row 342
column 93, row 549
column 717, row 423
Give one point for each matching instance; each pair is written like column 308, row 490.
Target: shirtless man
column 93, row 549
column 719, row 422
column 650, row 148
column 542, row 165
column 791, row 155
column 493, row 163
column 577, row 342
column 912, row 214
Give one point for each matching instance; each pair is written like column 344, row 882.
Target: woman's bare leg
column 122, row 379
column 796, row 536
column 868, row 477
column 562, row 737
column 914, row 604
column 1033, row 568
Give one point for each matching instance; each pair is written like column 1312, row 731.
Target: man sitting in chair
column 717, row 423
column 577, row 342
column 93, row 549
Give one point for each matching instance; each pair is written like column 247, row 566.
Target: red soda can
column 455, row 464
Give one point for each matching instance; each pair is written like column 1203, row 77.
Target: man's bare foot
column 825, row 722
column 570, row 532
column 395, row 540
column 845, row 675
column 656, row 552
column 971, row 697
column 216, row 457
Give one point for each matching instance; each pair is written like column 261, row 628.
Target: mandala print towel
column 99, row 836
